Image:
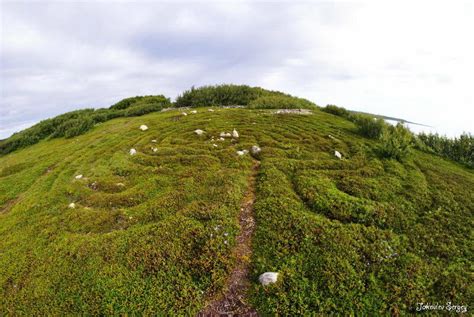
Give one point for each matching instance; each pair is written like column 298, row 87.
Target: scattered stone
column 120, row 184
column 294, row 111
column 225, row 135
column 199, row 132
column 338, row 155
column 214, row 145
column 235, row 134
column 153, row 141
column 268, row 278
column 210, row 110
column 225, row 242
column 78, row 176
column 243, row 152
column 143, row 127
column 193, row 112
column 184, row 113
column 221, row 139
column 154, row 149
column 72, row 205
column 255, row 149
column 133, row 151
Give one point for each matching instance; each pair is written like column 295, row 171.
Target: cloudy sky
column 408, row 59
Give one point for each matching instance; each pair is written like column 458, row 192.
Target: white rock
column 221, row 139
column 240, row 153
column 210, row 110
column 120, row 184
column 72, row 205
column 235, row 134
column 78, row 176
column 154, row 149
column 255, row 149
column 199, row 132
column 214, row 145
column 268, row 278
column 225, row 135
column 338, row 155
column 133, row 151
column 184, row 113
column 143, row 127
column 193, row 111
column 153, row 141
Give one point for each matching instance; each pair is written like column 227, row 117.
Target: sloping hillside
column 155, row 232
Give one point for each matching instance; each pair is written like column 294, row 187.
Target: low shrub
column 222, row 95
column 395, row 142
column 459, row 149
column 338, row 111
column 369, row 126
column 281, row 102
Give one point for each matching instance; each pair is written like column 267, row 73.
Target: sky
column 406, row 59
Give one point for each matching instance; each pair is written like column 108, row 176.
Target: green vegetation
column 153, row 233
column 281, row 102
column 458, row 149
column 77, row 122
column 223, row 95
column 396, row 142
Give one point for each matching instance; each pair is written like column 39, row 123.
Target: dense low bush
column 78, row 122
column 338, row 111
column 458, row 149
column 222, row 95
column 281, row 102
column 369, row 126
column 395, row 142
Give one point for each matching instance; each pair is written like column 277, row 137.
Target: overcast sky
column 408, row 59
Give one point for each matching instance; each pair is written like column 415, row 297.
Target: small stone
column 143, row 127
column 154, row 149
column 221, row 139
column 78, row 176
column 268, row 278
column 184, row 113
column 235, row 134
column 214, row 145
column 225, row 135
column 153, row 141
column 240, row 153
column 255, row 150
column 210, row 110
column 72, row 205
column 133, row 152
column 193, row 111
column 120, row 184
column 338, row 155
column 199, row 132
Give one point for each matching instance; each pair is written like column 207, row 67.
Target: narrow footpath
column 232, row 302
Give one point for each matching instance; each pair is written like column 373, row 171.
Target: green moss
column 363, row 235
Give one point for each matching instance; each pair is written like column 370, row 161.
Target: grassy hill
column 154, row 233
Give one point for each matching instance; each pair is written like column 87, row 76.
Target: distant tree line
column 397, row 141
column 77, row 122
column 241, row 95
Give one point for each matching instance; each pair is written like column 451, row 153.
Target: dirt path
column 232, row 301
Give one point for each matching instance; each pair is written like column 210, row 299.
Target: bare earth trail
column 232, row 301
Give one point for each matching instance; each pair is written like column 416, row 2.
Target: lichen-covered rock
column 255, row 150
column 268, row 278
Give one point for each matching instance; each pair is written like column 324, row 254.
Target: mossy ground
column 153, row 233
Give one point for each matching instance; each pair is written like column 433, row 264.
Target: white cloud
column 406, row 59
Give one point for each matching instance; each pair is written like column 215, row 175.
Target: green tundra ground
column 153, row 233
